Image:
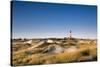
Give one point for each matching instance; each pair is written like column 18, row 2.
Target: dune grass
column 84, row 52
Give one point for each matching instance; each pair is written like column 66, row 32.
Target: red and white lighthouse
column 70, row 34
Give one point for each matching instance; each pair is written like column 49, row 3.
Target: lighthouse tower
column 70, row 34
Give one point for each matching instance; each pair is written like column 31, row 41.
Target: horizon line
column 68, row 36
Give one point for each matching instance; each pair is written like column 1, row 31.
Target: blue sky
column 43, row 20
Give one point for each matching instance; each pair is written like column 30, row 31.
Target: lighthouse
column 70, row 34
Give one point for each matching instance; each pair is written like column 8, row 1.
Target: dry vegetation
column 86, row 51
